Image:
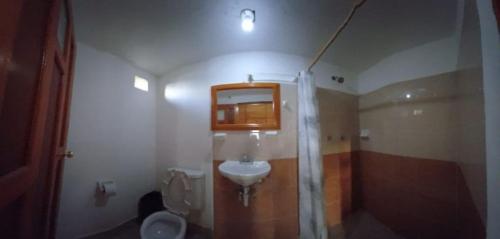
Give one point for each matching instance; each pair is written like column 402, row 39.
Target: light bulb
column 247, row 25
column 247, row 19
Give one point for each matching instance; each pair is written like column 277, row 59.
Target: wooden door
column 36, row 62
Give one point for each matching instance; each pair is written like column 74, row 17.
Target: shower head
column 338, row 79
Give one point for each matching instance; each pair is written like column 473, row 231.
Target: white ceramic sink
column 245, row 173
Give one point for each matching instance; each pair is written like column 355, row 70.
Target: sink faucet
column 245, row 158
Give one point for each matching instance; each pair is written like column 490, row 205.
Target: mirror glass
column 246, row 108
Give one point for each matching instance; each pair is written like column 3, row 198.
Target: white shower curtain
column 311, row 201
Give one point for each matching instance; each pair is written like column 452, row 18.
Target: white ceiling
column 159, row 35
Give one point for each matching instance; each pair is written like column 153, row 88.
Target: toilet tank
column 197, row 178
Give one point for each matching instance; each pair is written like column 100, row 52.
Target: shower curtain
column 311, row 202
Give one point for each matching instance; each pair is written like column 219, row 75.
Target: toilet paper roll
column 108, row 188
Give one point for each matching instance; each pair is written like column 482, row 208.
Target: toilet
column 182, row 191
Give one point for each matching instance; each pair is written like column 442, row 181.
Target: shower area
column 407, row 160
column 416, row 171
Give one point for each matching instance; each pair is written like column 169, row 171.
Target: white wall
column 112, row 132
column 422, row 61
column 490, row 41
column 183, row 117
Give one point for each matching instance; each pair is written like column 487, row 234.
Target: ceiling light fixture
column 247, row 19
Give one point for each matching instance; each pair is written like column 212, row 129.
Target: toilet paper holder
column 106, row 187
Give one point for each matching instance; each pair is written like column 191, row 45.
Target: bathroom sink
column 245, row 173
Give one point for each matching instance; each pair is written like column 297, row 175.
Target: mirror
column 246, row 106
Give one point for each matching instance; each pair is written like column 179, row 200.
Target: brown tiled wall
column 415, row 197
column 272, row 211
column 337, row 172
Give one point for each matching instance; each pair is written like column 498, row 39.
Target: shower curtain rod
column 322, row 51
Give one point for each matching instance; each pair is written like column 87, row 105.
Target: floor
column 130, row 230
column 360, row 225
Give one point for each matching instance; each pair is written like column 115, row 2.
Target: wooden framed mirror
column 246, row 106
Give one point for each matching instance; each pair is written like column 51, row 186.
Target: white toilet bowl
column 163, row 225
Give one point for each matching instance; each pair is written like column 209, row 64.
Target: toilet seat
column 176, row 191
